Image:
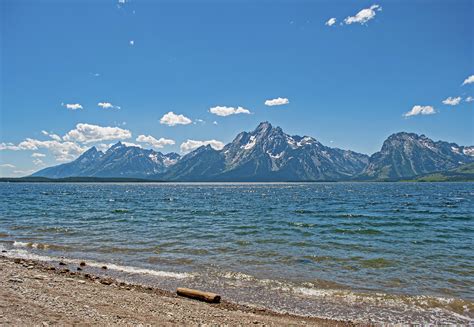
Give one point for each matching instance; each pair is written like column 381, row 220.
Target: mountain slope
column 118, row 161
column 405, row 155
column 464, row 173
column 268, row 154
column 202, row 164
column 74, row 168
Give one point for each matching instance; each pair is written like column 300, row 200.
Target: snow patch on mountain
column 251, row 143
column 305, row 140
column 469, row 151
column 169, row 162
column 455, row 150
column 276, row 156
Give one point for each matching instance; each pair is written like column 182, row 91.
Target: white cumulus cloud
column 172, row 119
column 69, row 146
column 331, row 21
column 277, row 102
column 227, row 111
column 452, row 101
column 72, row 106
column 87, row 133
column 420, row 110
column 148, row 139
column 107, row 105
column 468, row 80
column 190, row 145
column 469, row 99
column 62, row 151
column 132, row 144
column 363, row 16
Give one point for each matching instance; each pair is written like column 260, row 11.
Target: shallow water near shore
column 389, row 252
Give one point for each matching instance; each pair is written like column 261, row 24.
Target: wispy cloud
column 51, row 135
column 420, row 110
column 72, row 106
column 452, row 101
column 227, row 111
column 172, row 119
column 9, row 146
column 468, row 80
column 277, row 102
column 107, row 105
column 23, row 172
column 157, row 144
column 38, row 155
column 131, row 42
column 38, row 162
column 8, row 166
column 190, row 145
column 363, row 16
column 469, row 99
column 330, row 22
column 200, row 121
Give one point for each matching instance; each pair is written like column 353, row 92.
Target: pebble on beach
column 82, row 264
column 106, row 281
column 104, row 267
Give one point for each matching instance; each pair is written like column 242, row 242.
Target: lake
column 393, row 251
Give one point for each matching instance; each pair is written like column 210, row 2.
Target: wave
column 357, row 231
column 339, row 297
column 338, row 301
column 24, row 254
column 300, row 224
column 332, row 300
column 120, row 211
column 40, row 246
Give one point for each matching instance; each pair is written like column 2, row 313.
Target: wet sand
column 37, row 293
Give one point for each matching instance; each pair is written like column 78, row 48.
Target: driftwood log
column 199, row 295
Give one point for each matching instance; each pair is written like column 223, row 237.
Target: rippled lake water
column 385, row 251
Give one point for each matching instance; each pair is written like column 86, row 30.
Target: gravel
column 36, row 294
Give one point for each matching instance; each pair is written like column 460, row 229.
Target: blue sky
column 349, row 85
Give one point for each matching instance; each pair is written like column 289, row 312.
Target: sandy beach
column 37, row 293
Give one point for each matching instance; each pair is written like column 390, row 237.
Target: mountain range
column 269, row 154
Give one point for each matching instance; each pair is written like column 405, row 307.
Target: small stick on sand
column 199, row 295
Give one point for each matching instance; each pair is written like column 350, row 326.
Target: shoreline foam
column 443, row 310
column 36, row 292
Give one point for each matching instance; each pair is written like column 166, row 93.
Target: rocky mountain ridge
column 269, row 154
